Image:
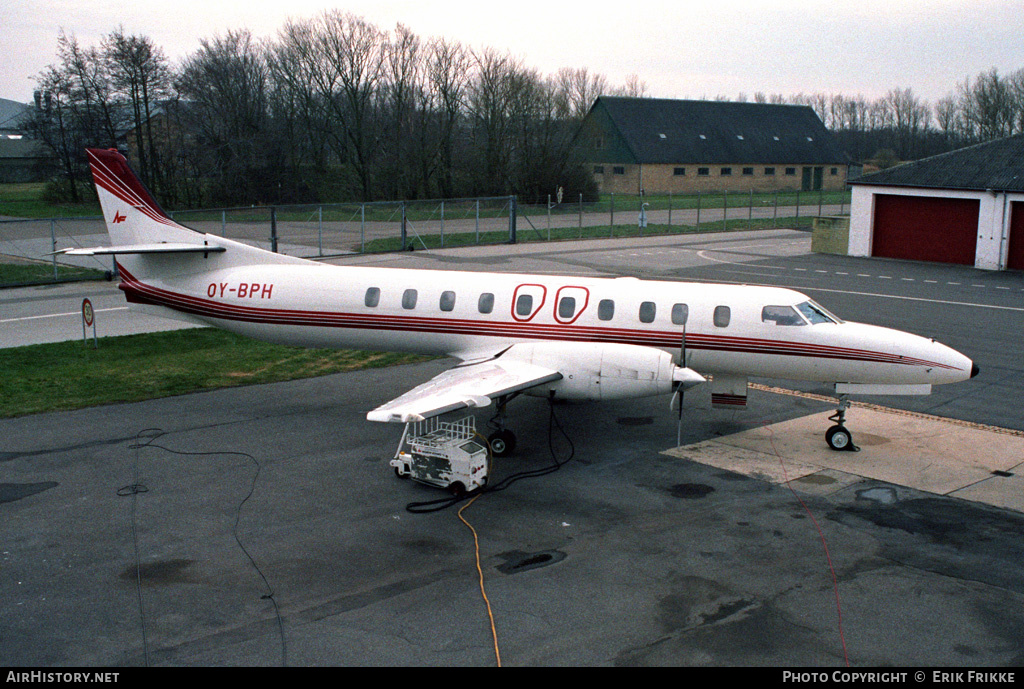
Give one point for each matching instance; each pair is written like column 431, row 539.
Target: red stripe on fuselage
column 138, row 292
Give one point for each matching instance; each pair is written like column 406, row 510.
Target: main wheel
column 502, row 443
column 838, row 438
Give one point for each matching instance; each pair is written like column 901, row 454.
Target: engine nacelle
column 600, row 371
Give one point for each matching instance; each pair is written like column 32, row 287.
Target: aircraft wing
column 468, row 385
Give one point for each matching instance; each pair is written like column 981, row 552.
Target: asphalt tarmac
column 263, row 526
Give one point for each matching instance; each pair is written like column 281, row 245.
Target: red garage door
column 1015, row 260
column 925, row 228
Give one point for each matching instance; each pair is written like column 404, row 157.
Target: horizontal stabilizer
column 156, row 248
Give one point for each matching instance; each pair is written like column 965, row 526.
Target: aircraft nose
column 974, row 370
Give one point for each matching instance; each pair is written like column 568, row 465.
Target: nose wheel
column 838, row 437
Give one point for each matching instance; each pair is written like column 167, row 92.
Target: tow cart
column 446, row 454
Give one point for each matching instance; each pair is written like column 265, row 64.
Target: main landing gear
column 502, row 440
column 838, row 437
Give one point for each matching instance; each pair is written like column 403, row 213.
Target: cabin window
column 722, row 316
column 447, row 300
column 781, row 315
column 647, row 311
column 605, row 309
column 680, row 312
column 524, row 304
column 372, row 297
column 486, row 303
column 409, row 299
column 566, row 307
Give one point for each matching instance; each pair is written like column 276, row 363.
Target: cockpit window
column 781, row 315
column 816, row 313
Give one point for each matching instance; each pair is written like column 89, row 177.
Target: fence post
column 798, row 205
column 53, row 247
column 725, row 210
column 511, row 219
column 670, row 211
column 820, row 193
column 404, row 235
column 442, row 224
column 775, row 211
column 478, row 221
column 750, row 210
column 581, row 215
column 223, row 223
column 273, row 229
column 362, row 228
column 611, row 207
column 320, row 228
column 549, row 217
column 698, row 211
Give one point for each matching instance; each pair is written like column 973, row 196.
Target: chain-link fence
column 314, row 231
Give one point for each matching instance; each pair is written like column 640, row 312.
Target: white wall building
column 964, row 207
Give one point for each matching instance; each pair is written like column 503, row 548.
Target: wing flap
column 472, row 385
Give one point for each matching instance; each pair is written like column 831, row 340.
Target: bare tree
column 444, row 104
column 399, row 96
column 76, row 109
column 350, row 52
column 987, row 106
column 225, row 84
column 580, row 89
column 141, row 77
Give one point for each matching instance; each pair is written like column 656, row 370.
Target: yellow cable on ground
column 476, row 544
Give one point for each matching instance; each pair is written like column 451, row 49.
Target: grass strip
column 541, row 234
column 73, row 375
column 35, row 273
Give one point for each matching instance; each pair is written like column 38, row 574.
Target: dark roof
column 996, row 165
column 715, row 132
column 12, row 114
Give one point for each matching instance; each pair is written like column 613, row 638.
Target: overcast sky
column 680, row 49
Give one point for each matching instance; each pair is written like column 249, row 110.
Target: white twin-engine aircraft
column 558, row 337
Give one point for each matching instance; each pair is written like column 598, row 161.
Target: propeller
column 684, row 378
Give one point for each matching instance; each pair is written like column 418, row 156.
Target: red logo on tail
column 118, row 217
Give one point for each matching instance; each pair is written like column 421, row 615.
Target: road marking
column 59, row 315
column 930, row 301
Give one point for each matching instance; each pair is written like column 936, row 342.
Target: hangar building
column 964, row 207
column 660, row 146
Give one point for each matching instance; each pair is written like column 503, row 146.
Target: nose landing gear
column 838, row 437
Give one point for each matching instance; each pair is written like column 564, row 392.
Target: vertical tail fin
column 132, row 214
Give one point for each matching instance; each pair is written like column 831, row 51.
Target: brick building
column 663, row 146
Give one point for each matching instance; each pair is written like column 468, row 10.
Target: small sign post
column 89, row 321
